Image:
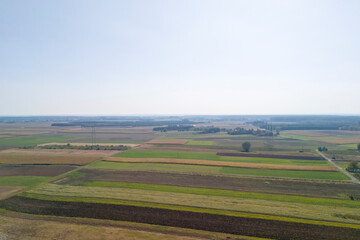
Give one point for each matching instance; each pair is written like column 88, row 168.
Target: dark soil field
column 35, row 170
column 274, row 229
column 246, row 184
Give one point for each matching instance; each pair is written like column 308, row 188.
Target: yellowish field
column 6, row 191
column 52, row 156
column 30, row 227
column 223, row 163
column 168, row 141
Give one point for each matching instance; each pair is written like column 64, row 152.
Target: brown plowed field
column 46, row 170
column 274, row 229
column 168, row 141
column 324, row 189
column 270, row 155
column 223, row 164
column 52, row 156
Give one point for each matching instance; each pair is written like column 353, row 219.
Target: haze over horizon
column 179, row 57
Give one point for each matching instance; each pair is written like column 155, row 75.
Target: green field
column 21, row 180
column 199, row 143
column 220, row 170
column 227, row 193
column 20, row 141
column 135, row 153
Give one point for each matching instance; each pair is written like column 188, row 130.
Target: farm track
column 274, row 229
column 353, row 179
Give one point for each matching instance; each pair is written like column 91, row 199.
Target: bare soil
column 52, row 156
column 44, row 170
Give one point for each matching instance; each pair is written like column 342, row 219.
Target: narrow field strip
column 168, row 141
column 22, row 180
column 227, row 193
column 222, row 163
column 220, row 170
column 213, row 156
column 231, row 203
column 182, row 208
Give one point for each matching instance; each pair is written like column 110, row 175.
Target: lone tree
column 353, row 166
column 359, row 147
column 246, row 146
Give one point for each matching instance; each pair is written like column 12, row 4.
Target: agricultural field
column 53, row 156
column 175, row 185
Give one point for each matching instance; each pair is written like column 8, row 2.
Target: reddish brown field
column 52, row 156
column 256, row 227
column 24, row 170
column 222, row 163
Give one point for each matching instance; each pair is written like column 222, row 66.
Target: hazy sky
column 179, row 57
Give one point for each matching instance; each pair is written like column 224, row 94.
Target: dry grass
column 6, row 191
column 24, row 226
column 223, row 163
column 306, row 133
column 52, row 156
column 340, row 140
column 168, row 141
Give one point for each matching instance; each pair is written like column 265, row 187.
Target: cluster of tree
column 353, row 167
column 246, row 146
column 243, row 131
column 206, row 130
column 322, row 149
column 350, row 128
column 138, row 123
column 86, row 147
column 179, row 128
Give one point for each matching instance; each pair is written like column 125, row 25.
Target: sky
column 175, row 57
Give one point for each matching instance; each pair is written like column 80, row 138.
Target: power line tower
column 93, row 135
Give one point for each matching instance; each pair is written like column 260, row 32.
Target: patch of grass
column 156, row 167
column 200, row 143
column 25, row 181
column 227, row 193
column 347, row 216
column 190, row 209
column 20, row 141
column 75, row 174
column 135, row 153
column 223, row 170
column 286, row 173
